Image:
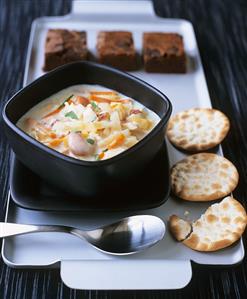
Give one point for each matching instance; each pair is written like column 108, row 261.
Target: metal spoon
column 126, row 236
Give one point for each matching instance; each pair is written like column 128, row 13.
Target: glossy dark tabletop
column 221, row 31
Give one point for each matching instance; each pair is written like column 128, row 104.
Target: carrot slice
column 119, row 140
column 104, row 92
column 81, row 100
column 53, row 112
column 101, row 156
column 56, row 142
column 105, row 100
column 53, row 135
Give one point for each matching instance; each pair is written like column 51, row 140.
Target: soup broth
column 88, row 122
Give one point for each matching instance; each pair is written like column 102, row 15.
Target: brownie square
column 116, row 48
column 63, row 46
column 163, row 53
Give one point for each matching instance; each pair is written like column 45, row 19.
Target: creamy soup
column 88, row 122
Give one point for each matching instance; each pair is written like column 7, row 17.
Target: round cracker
column 203, row 177
column 180, row 228
column 198, row 129
column 221, row 225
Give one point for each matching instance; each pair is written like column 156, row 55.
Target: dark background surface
column 221, row 31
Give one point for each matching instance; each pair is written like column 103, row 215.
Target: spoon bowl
column 126, row 236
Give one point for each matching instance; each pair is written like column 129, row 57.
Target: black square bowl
column 96, row 179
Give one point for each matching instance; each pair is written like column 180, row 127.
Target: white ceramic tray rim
column 165, row 266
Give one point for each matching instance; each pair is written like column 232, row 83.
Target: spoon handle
column 13, row 229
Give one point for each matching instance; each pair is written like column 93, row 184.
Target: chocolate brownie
column 163, row 53
column 116, row 48
column 63, row 46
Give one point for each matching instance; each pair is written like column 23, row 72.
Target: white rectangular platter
column 166, row 265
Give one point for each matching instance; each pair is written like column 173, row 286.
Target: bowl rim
column 52, row 152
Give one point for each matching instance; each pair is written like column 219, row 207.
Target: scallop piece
column 80, row 146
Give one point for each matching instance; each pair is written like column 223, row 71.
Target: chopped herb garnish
column 66, row 101
column 71, row 114
column 94, row 105
column 96, row 108
column 105, row 150
column 91, row 141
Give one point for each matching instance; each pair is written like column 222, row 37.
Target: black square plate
column 29, row 191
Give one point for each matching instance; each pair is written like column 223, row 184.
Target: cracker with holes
column 198, row 129
column 203, row 177
column 220, row 226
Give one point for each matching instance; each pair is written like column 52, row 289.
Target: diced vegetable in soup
column 88, row 122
